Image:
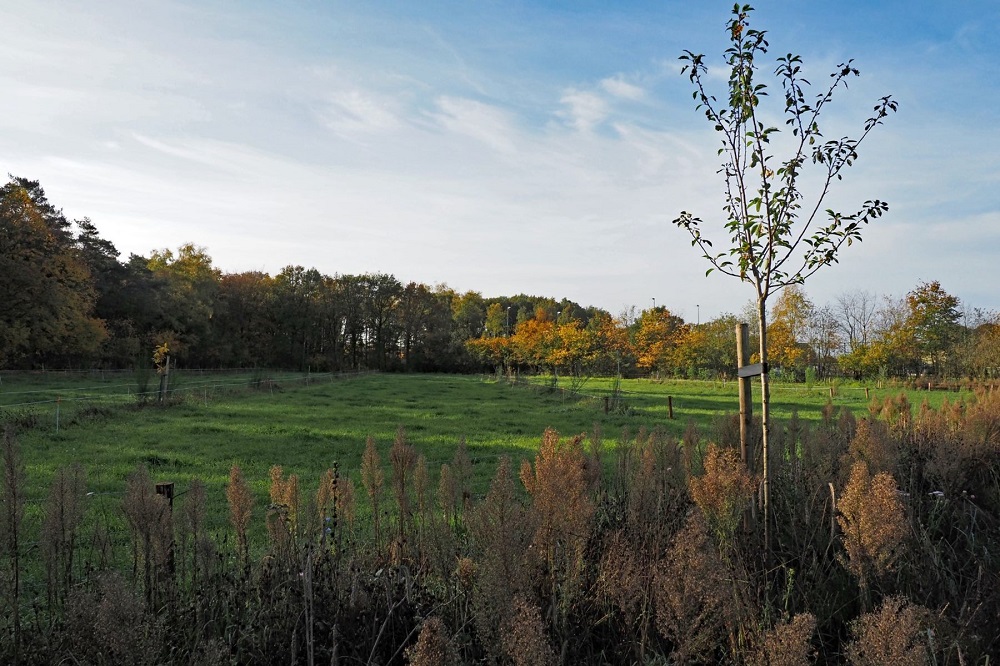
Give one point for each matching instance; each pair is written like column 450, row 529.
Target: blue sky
column 501, row 147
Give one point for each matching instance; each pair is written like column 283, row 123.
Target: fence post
column 164, row 380
column 166, row 489
column 670, row 406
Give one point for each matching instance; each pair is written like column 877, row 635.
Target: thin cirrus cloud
column 619, row 87
column 357, row 111
column 482, row 122
column 583, row 110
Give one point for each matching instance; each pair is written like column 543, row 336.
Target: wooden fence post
column 670, row 406
column 166, row 489
column 164, row 380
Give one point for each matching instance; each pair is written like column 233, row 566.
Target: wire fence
column 832, row 390
column 51, row 407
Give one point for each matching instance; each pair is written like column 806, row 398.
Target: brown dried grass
column 723, row 492
column 63, row 517
column 788, row 643
column 434, row 646
column 373, row 480
column 694, row 595
column 894, row 634
column 873, row 523
column 501, row 532
column 240, row 509
column 525, row 641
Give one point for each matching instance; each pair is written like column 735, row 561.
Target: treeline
column 71, row 301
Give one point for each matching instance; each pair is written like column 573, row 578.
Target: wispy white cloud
column 356, row 111
column 619, row 87
column 482, row 122
column 583, row 110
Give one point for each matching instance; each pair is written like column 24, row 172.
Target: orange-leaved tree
column 657, row 335
column 534, row 341
column 787, row 332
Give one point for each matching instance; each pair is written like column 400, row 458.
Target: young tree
column 777, row 236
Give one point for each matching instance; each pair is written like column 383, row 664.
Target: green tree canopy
column 47, row 292
column 933, row 317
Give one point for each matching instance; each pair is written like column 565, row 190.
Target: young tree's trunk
column 765, row 414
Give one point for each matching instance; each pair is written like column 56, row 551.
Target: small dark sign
column 752, row 370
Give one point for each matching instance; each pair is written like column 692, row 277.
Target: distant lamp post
column 654, row 302
column 555, row 368
column 508, row 321
column 698, row 307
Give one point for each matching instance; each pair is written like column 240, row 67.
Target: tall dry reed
column 373, row 480
column 61, row 523
column 12, row 497
column 240, row 510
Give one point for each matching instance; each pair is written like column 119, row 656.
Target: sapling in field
column 779, row 233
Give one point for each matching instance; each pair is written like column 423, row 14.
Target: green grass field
column 306, row 426
column 306, row 423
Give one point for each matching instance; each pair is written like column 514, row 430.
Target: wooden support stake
column 607, row 401
column 746, row 393
column 867, row 396
column 670, row 406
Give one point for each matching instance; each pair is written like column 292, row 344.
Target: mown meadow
column 305, row 422
column 434, row 519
